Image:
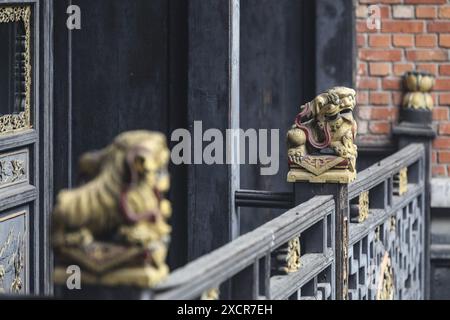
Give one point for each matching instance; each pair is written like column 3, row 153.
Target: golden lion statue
column 321, row 142
column 115, row 225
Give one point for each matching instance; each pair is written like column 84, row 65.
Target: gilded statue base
column 137, row 277
column 109, row 264
column 321, row 169
column 331, row 176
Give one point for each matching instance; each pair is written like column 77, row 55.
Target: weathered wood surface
column 215, row 268
column 385, row 169
column 378, row 216
column 282, row 287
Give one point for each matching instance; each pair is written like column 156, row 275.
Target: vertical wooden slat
column 306, row 191
column 46, row 148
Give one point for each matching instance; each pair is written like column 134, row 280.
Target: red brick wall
column 414, row 35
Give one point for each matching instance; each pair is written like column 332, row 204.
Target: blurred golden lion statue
column 119, row 215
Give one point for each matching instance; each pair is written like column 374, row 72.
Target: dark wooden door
column 25, row 102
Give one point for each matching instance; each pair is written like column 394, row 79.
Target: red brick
column 442, row 143
column 392, row 84
column 397, row 98
column 434, row 156
column 427, row 55
column 362, row 97
column 362, row 69
column 380, row 40
column 444, row 156
column 380, row 98
column 426, row 12
column 383, row 113
column 439, row 170
column 364, row 113
column 380, row 1
column 425, row 1
column 444, row 128
column 367, row 83
column 380, row 55
column 444, row 40
column 444, row 99
column 385, row 12
column 439, row 26
column 361, row 40
column 444, row 69
column 362, row 27
column 402, row 26
column 440, row 113
column 379, row 68
column 401, row 68
column 403, row 40
column 426, row 40
column 380, row 127
column 428, row 67
column 442, row 84
column 444, row 12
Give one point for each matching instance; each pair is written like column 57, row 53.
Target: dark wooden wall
column 162, row 64
column 124, row 70
column 277, row 76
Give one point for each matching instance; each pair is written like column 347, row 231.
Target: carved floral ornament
column 401, row 182
column 386, row 287
column 321, row 146
column 22, row 120
column 287, row 257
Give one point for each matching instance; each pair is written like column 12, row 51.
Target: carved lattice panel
column 397, row 241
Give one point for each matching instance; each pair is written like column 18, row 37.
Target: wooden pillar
column 213, row 98
column 416, row 127
column 305, row 191
column 407, row 134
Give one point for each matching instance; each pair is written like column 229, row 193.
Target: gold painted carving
column 321, row 145
column 386, row 287
column 287, row 257
column 115, row 226
column 22, row 120
column 212, row 295
column 401, row 182
column 360, row 211
column 419, row 85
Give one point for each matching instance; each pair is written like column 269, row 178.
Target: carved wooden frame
column 22, row 120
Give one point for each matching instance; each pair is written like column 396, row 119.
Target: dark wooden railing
column 384, row 252
column 247, row 262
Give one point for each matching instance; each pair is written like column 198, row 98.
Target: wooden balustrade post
column 326, row 167
column 415, row 126
column 305, row 191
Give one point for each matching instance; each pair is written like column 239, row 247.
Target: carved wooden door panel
column 23, row 102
